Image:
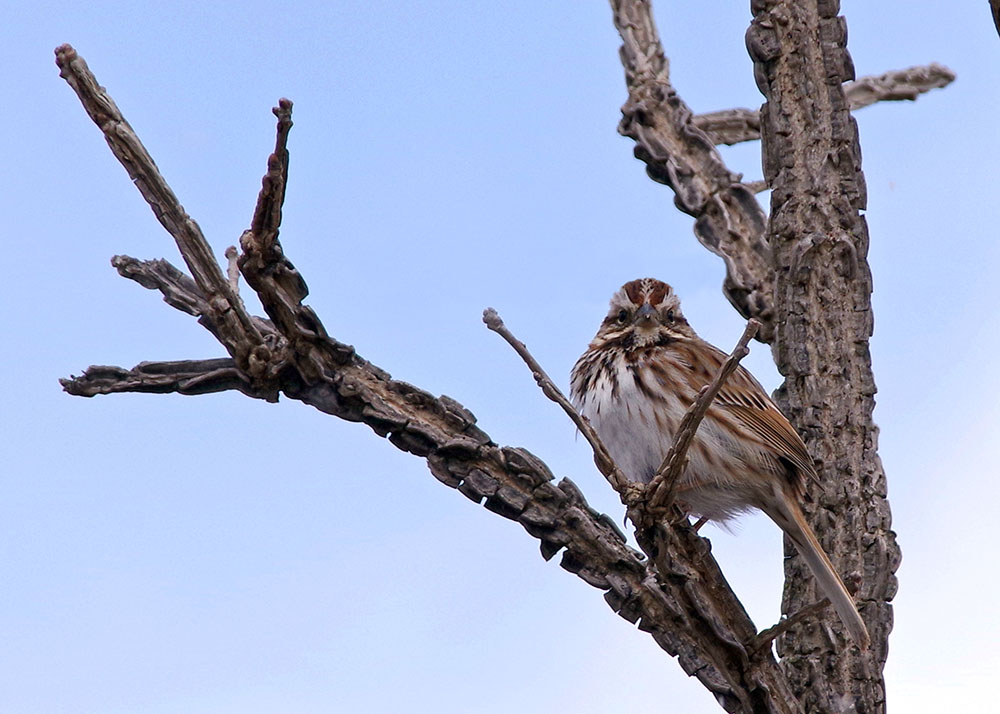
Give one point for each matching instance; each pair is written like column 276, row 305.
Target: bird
column 637, row 378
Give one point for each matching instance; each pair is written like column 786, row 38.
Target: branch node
column 764, row 638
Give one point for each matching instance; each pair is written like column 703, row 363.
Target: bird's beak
column 646, row 316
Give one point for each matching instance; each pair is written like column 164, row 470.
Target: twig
column 236, row 329
column 764, row 638
column 627, row 489
column 178, row 289
column 267, row 214
column 661, row 486
column 277, row 283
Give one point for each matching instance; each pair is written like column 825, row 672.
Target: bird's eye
column 670, row 315
column 623, row 315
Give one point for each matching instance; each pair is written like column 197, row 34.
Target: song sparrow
column 635, row 381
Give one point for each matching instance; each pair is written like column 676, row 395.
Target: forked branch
column 676, row 592
column 235, row 329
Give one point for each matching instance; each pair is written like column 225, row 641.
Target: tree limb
column 678, row 595
column 234, row 327
column 178, row 289
column 278, row 284
column 728, row 219
column 897, row 85
column 732, row 126
column 181, row 377
column 605, row 464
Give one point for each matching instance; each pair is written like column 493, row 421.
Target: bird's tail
column 790, row 519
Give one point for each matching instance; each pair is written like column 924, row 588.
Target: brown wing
column 746, row 400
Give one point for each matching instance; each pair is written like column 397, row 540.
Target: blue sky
column 217, row 554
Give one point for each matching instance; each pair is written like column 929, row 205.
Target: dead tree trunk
column 806, row 277
column 823, row 318
column 802, row 274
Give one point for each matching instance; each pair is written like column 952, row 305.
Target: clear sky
column 164, row 554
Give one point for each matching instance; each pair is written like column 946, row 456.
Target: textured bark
column 732, row 126
column 814, row 259
column 819, row 242
column 728, row 219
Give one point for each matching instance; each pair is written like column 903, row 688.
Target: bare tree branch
column 233, row 269
column 732, row 126
column 897, row 85
column 679, row 595
column 728, row 219
column 235, row 328
column 277, row 283
column 178, row 289
column 729, row 126
column 182, row 377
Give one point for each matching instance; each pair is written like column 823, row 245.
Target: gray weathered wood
column 728, row 219
column 732, row 126
column 819, row 243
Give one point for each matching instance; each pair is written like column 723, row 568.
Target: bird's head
column 642, row 313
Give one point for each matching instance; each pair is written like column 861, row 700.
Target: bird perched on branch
column 638, row 377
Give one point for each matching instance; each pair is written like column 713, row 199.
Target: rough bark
column 819, row 243
column 732, row 126
column 728, row 219
column 814, row 259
